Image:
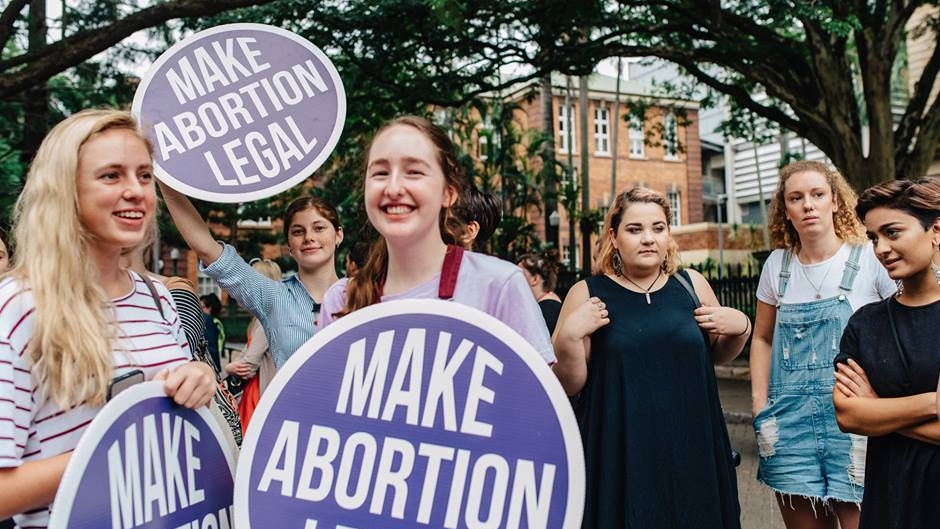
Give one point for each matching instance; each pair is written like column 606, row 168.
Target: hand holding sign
column 412, row 413
column 240, row 112
column 147, row 463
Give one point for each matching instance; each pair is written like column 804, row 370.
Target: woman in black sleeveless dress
column 632, row 344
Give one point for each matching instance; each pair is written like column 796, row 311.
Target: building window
column 675, row 204
column 207, row 285
column 565, row 118
column 637, row 137
column 601, row 131
column 670, row 137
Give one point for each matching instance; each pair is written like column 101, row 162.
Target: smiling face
column 901, row 243
column 810, row 203
column 405, row 188
column 116, row 195
column 312, row 239
column 642, row 238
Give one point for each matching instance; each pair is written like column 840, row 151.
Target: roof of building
column 602, row 86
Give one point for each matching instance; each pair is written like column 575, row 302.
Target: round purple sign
column 240, row 112
column 415, row 413
column 145, row 462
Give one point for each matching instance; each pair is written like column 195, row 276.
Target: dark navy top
column 656, row 447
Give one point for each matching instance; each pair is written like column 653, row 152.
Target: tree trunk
column 585, row 180
column 571, row 204
column 615, row 123
column 36, row 104
column 549, row 177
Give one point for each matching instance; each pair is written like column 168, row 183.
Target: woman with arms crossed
column 889, row 360
column 71, row 318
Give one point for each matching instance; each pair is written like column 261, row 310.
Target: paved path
column 758, row 507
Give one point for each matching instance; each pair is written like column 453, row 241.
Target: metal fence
column 736, row 286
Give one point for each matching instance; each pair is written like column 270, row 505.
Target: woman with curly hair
column 822, row 272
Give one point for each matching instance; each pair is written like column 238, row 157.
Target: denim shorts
column 804, row 453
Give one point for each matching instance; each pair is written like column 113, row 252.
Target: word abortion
column 270, row 151
column 360, row 469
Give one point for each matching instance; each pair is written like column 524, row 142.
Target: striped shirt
column 33, row 427
column 285, row 309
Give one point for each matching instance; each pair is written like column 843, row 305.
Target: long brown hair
column 637, row 195
column 362, row 288
column 846, row 224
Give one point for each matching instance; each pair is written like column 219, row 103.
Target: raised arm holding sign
column 240, row 112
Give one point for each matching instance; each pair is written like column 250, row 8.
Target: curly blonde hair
column 846, row 223
column 637, row 195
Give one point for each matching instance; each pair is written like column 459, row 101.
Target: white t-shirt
column 871, row 282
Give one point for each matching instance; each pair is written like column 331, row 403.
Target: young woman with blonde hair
column 412, row 180
column 823, row 270
column 71, row 318
column 639, row 351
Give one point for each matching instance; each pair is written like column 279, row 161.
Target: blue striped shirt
column 285, row 309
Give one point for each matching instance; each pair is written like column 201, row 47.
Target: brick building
column 668, row 162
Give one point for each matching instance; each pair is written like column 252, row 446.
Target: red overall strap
column 449, row 271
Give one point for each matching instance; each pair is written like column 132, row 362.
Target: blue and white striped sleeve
column 252, row 290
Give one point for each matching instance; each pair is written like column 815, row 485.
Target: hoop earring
column 935, row 268
column 618, row 264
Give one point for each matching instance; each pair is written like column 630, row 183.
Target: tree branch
column 83, row 45
column 8, row 19
column 914, row 113
column 915, row 164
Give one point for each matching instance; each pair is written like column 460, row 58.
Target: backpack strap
column 682, row 277
column 154, row 295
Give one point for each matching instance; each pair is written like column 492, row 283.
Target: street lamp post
column 720, row 197
column 174, row 256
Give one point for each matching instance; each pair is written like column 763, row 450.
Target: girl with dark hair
column 541, row 273
column 287, row 309
column 822, row 272
column 887, row 369
column 411, row 183
column 639, row 351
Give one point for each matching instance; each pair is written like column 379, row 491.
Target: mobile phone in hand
column 122, row 382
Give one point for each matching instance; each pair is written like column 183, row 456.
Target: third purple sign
column 240, row 112
column 417, row 413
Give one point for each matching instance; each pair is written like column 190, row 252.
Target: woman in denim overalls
column 808, row 291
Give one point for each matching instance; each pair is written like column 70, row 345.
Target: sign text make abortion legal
column 418, row 413
column 240, row 112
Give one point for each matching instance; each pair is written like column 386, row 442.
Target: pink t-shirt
column 487, row 283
